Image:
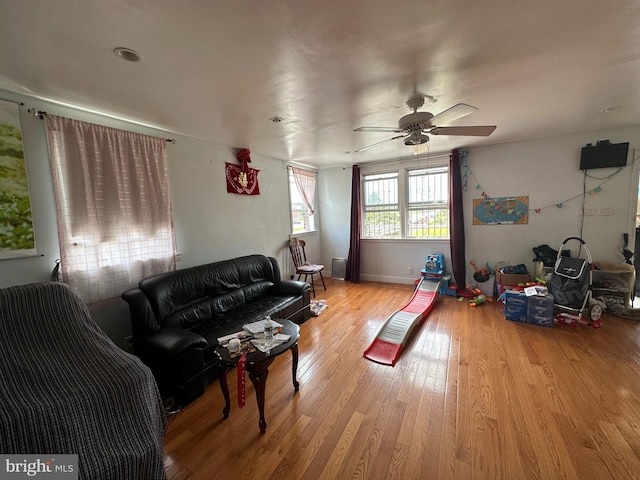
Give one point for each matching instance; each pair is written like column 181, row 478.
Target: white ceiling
column 218, row 70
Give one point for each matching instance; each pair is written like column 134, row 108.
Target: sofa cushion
column 173, row 291
column 256, row 290
column 254, row 269
column 189, row 316
column 227, row 302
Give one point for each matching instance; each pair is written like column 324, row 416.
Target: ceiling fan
column 415, row 126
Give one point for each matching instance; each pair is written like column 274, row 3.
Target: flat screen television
column 604, row 155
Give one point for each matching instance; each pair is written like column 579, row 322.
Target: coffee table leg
column 294, row 366
column 222, row 380
column 258, row 377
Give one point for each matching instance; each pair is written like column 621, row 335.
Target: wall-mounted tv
column 604, row 154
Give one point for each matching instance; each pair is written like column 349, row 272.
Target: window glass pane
column 425, row 223
column 428, row 185
column 381, row 210
column 381, row 189
column 382, row 224
column 301, row 221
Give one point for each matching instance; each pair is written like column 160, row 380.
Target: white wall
column 334, row 193
column 212, row 224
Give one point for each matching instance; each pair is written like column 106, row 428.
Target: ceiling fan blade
column 477, row 131
column 457, row 111
column 379, row 129
column 379, row 143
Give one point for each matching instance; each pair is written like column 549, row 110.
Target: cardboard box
column 511, row 279
column 515, row 306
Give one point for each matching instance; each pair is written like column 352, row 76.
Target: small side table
column 258, row 368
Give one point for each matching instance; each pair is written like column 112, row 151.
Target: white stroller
column 572, row 289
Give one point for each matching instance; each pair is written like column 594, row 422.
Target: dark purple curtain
column 456, row 220
column 353, row 259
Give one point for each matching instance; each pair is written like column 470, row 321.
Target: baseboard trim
column 387, row 279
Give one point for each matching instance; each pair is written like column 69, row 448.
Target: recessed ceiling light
column 609, row 109
column 127, row 54
column 275, row 119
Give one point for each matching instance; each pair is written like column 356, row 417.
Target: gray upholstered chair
column 66, row 388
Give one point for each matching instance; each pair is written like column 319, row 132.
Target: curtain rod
column 301, row 166
column 41, row 114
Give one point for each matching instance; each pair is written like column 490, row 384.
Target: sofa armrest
column 169, row 343
column 143, row 320
column 292, row 286
column 176, row 358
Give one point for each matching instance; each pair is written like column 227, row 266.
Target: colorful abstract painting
column 501, row 211
column 16, row 225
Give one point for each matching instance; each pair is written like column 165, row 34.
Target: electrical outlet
column 605, row 211
column 410, row 270
column 587, row 212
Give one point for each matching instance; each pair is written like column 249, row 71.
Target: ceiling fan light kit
column 415, row 138
column 415, row 126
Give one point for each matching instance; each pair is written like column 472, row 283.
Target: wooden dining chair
column 303, row 267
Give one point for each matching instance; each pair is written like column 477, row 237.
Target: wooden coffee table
column 258, row 367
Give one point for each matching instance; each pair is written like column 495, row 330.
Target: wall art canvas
column 501, row 211
column 16, row 225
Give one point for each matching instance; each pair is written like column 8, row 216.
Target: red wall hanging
column 242, row 179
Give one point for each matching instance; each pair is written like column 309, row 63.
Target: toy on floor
column 479, row 299
column 480, row 275
column 434, row 266
column 520, row 288
column 395, row 332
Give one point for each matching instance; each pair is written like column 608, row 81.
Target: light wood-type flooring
column 473, row 396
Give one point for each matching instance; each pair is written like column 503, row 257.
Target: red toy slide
column 387, row 345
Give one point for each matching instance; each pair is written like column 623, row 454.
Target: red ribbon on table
column 242, row 363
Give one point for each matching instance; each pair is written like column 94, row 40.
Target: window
column 301, row 198
column 381, row 208
column 428, row 203
column 408, row 202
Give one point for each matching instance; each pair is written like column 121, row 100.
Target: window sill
column 310, row 233
column 405, row 240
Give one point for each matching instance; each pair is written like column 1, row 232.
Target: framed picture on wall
column 501, row 211
column 16, row 224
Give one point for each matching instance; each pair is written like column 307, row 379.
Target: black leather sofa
column 176, row 317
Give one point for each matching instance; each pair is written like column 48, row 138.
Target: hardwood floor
column 472, row 396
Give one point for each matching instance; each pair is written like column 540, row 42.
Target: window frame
column 293, row 190
column 403, row 170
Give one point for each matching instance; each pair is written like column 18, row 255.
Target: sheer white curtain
column 306, row 183
column 113, row 207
